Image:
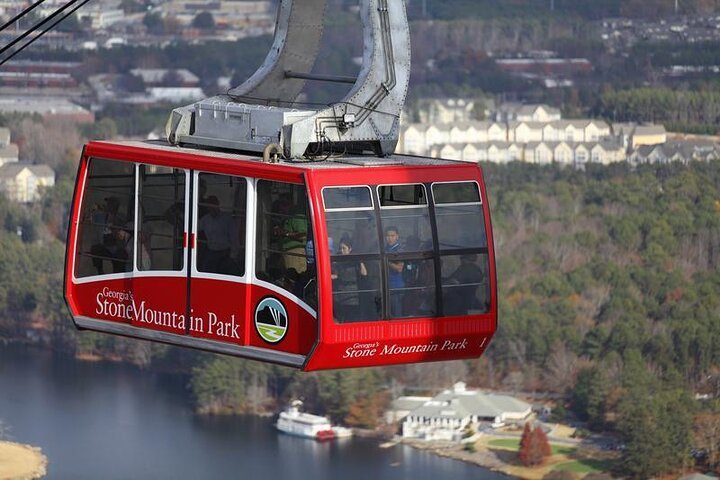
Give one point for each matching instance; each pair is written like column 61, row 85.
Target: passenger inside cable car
column 407, row 258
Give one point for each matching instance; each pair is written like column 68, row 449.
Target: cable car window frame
column 79, row 235
column 347, row 209
column 436, row 203
column 396, row 207
column 439, row 206
column 446, row 253
column 254, row 250
column 373, row 258
column 134, row 272
column 182, row 272
column 249, row 229
column 407, row 256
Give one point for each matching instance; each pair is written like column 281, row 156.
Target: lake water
column 105, row 421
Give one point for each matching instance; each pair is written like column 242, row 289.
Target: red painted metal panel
column 219, row 310
column 70, row 253
column 155, row 303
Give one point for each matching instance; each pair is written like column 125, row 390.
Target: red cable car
column 344, row 262
column 330, row 258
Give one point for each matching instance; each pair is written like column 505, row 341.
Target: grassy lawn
column 514, row 444
column 586, row 466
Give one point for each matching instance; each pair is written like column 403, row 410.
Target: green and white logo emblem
column 271, row 320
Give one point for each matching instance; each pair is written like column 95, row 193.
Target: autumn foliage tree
column 366, row 410
column 534, row 446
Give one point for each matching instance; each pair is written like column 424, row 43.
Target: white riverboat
column 293, row 421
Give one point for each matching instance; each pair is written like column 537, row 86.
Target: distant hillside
column 607, row 260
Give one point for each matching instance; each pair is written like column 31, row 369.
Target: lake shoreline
column 482, row 458
column 21, row 462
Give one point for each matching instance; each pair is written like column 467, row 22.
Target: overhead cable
column 45, row 20
column 35, row 27
column 20, row 15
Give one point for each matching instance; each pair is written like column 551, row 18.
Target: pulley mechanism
column 262, row 110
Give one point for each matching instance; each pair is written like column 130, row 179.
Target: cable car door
column 160, row 280
column 218, row 289
column 129, row 255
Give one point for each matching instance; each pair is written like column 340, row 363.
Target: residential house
column 449, row 151
column 538, row 152
column 23, row 182
column 683, row 151
column 561, row 141
column 562, row 153
column 582, row 155
column 9, row 152
column 436, row 135
column 463, row 132
column 446, row 110
column 412, row 139
column 402, row 406
column 497, row 132
column 445, row 416
column 614, row 150
column 419, row 138
column 525, row 131
column 577, row 130
column 634, row 135
column 518, row 112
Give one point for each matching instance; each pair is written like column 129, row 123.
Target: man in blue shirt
column 396, row 282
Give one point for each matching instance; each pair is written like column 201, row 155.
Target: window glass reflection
column 465, row 284
column 162, row 218
column 285, row 247
column 107, row 219
column 222, row 201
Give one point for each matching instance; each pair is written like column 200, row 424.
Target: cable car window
column 402, row 195
column 347, row 197
column 161, row 218
column 404, row 207
column 355, row 254
column 456, row 192
column 411, row 287
column 107, row 216
column 285, row 249
column 350, row 215
column 356, row 286
column 408, row 248
column 459, row 216
column 221, row 213
column 465, row 284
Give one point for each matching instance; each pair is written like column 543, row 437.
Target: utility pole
column 552, row 5
column 677, row 6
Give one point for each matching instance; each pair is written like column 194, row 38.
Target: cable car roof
column 339, row 162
